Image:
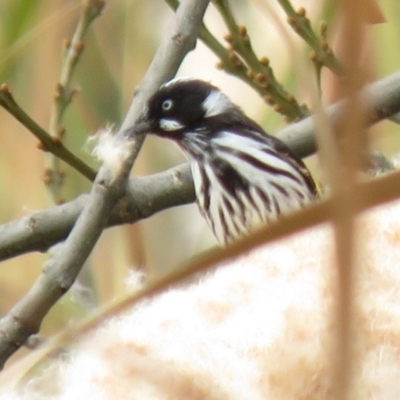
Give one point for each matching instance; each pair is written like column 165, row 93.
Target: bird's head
column 182, row 106
column 240, row 173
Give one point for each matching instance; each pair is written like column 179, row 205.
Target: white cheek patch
column 216, row 103
column 170, row 124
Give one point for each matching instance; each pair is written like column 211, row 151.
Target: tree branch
column 59, row 273
column 302, row 26
column 144, row 197
column 46, row 141
column 91, row 9
column 382, row 99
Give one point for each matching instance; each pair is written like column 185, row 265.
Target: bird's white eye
column 167, row 104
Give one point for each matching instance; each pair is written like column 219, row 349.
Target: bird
column 242, row 176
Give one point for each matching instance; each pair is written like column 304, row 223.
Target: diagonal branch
column 25, row 318
column 302, row 26
column 382, row 99
column 144, row 197
column 46, row 141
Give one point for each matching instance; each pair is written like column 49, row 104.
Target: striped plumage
column 241, row 175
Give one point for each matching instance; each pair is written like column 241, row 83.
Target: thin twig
column 323, row 54
column 259, row 70
column 46, row 142
column 25, row 318
column 91, row 9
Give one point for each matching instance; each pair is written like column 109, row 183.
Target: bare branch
column 145, row 197
column 46, row 141
column 25, row 318
column 91, row 9
column 323, row 54
column 258, row 70
column 382, row 98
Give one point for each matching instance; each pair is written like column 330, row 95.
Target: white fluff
column 110, row 149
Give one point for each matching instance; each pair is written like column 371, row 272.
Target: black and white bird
column 241, row 174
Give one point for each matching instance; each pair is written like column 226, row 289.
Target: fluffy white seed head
column 110, row 149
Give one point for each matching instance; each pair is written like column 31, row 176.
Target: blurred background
column 118, row 49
